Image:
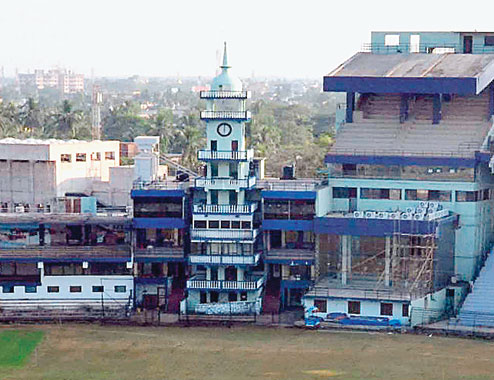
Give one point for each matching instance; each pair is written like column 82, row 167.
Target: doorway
column 467, row 44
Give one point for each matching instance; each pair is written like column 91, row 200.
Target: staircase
column 271, row 300
column 478, row 308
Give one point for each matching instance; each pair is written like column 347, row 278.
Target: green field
column 16, row 346
column 91, row 352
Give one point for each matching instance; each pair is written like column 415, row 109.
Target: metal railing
column 224, row 259
column 233, row 115
column 217, row 234
column 219, row 183
column 197, row 282
column 438, row 47
column 226, row 209
column 215, row 94
column 231, row 155
column 289, row 185
column 160, row 252
column 160, row 185
column 468, row 152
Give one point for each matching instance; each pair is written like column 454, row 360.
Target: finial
column 225, row 59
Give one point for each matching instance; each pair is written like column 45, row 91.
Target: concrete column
column 283, row 239
column 350, row 106
column 268, row 240
column 387, row 261
column 221, row 273
column 344, row 259
column 240, row 274
column 436, row 109
column 394, row 258
column 349, row 257
column 208, row 273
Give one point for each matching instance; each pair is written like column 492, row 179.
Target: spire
column 225, row 59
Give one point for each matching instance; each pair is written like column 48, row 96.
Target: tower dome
column 226, row 81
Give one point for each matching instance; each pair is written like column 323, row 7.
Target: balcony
column 226, row 209
column 297, row 256
column 219, row 183
column 225, row 155
column 229, row 115
column 200, row 282
column 223, row 235
column 225, row 94
column 200, row 259
column 168, row 253
column 59, row 252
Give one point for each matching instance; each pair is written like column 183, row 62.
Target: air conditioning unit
column 19, row 209
column 420, row 210
column 370, row 214
column 409, row 210
column 423, row 204
column 358, row 214
column 380, row 215
column 406, row 216
column 433, row 205
column 394, row 215
column 418, row 216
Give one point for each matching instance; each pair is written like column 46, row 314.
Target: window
column 53, row 289
column 391, row 39
column 109, row 155
column 232, row 297
column 466, row 196
column 120, row 288
column 416, row 195
column 236, row 224
column 214, row 224
column 404, row 310
column 7, row 289
column 75, row 289
column 344, row 192
column 439, row 195
column 199, row 224
column 450, row 293
column 225, row 224
column 98, row 289
column 349, row 169
column 489, row 40
column 322, row 305
column 66, row 158
column 246, row 225
column 386, row 308
column 203, row 297
column 96, row 156
column 30, row 289
column 215, row 296
column 393, row 194
column 243, row 296
column 214, row 145
column 353, row 307
column 80, row 157
column 485, row 194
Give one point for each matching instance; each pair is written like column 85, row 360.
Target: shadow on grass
column 17, row 345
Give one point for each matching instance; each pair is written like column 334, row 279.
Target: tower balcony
column 225, row 94
column 219, row 183
column 225, row 155
column 226, row 115
column 200, row 282
column 248, row 208
column 204, row 234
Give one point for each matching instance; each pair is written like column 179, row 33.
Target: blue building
column 410, row 218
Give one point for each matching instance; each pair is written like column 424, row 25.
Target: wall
column 323, row 201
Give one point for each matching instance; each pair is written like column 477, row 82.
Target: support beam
column 346, row 258
column 491, row 100
column 404, row 108
column 350, row 106
column 436, row 109
column 387, row 262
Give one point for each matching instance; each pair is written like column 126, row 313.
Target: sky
column 291, row 39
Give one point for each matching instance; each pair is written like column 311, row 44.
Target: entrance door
column 467, row 44
column 415, row 43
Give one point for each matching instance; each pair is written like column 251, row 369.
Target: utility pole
column 96, row 113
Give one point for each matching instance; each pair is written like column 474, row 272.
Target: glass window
column 214, row 224
column 394, row 194
column 344, row 192
column 75, row 289
column 199, row 224
column 404, row 310
column 30, row 289
column 225, row 224
column 466, row 196
column 439, row 195
column 416, row 195
column 236, row 224
column 322, row 305
column 386, row 308
column 7, row 289
column 246, row 225
column 489, row 40
column 80, row 157
column 353, row 307
column 98, row 289
column 120, row 288
column 349, row 169
column 53, row 289
column 96, row 156
column 109, row 155
column 66, row 158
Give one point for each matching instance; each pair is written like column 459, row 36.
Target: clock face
column 224, row 129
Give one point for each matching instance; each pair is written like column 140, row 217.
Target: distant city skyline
column 168, row 38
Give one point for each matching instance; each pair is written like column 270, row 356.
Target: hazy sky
column 164, row 38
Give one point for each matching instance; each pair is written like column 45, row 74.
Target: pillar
column 221, row 273
column 283, row 239
column 394, row 259
column 491, row 100
column 346, row 258
column 350, row 106
column 404, row 108
column 387, row 261
column 240, row 274
column 436, row 109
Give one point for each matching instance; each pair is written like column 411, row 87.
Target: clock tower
column 225, row 240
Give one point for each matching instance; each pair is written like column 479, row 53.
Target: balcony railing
column 65, row 251
column 198, row 282
column 217, row 234
column 227, row 155
column 225, row 183
column 224, row 259
column 172, row 252
column 432, row 47
column 290, row 185
column 160, row 185
column 226, row 209
column 225, row 94
column 231, row 115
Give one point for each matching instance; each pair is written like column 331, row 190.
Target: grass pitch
column 77, row 352
column 16, row 346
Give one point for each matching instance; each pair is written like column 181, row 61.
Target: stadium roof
column 466, row 74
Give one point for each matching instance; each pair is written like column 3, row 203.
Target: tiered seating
column 466, row 108
column 421, row 108
column 381, row 107
column 410, row 138
column 478, row 308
